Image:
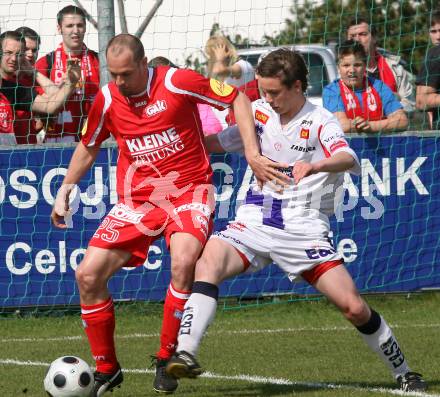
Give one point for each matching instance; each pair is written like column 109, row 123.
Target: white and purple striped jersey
column 312, row 135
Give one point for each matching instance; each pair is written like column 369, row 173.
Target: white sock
column 385, row 344
column 198, row 315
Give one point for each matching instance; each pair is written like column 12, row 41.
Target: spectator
column 223, row 62
column 428, row 79
column 65, row 127
column 26, row 125
column 384, row 67
column 224, row 65
column 434, row 28
column 361, row 103
column 32, row 39
column 13, row 65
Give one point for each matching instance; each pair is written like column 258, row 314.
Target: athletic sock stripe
column 104, row 307
column 372, row 325
column 179, row 294
column 208, row 289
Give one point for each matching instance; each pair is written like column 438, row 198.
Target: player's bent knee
column 88, row 281
column 356, row 311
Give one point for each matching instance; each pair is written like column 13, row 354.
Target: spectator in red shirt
column 67, row 124
column 13, row 66
column 26, row 125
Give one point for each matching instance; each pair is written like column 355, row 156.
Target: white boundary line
column 256, row 379
column 224, row 332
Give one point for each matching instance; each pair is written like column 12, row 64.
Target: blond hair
column 209, row 50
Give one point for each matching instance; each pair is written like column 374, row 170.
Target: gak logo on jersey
column 156, row 108
column 305, row 133
column 261, row 117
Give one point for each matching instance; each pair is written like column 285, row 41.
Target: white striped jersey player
column 290, row 227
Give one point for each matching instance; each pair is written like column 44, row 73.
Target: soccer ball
column 69, row 376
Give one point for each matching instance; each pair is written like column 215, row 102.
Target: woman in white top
column 224, row 65
column 223, row 62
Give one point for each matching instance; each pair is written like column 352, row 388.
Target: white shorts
column 293, row 252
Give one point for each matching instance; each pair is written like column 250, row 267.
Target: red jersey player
column 164, row 188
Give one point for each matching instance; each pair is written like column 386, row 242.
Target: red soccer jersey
column 6, row 116
column 159, row 132
column 70, row 119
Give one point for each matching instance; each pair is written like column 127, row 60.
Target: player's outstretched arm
column 264, row 169
column 339, row 162
column 82, row 159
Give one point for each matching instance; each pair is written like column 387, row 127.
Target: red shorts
column 134, row 227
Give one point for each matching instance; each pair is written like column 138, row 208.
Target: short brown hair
column 126, row 40
column 11, row 34
column 29, row 33
column 434, row 18
column 351, row 47
column 286, row 64
column 358, row 19
column 70, row 10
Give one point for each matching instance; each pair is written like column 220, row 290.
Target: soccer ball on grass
column 69, row 376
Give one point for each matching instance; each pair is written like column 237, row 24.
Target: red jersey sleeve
column 95, row 129
column 200, row 89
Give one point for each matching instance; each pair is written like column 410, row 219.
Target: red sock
column 99, row 324
column 172, row 315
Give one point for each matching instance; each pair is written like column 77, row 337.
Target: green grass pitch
column 295, row 348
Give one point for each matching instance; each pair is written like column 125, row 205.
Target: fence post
column 106, row 30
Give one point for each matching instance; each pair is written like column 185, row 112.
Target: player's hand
column 301, row 169
column 266, row 170
column 73, row 71
column 61, row 206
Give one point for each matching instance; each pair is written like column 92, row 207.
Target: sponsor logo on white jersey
column 299, row 148
column 306, row 123
column 156, row 108
column 125, row 213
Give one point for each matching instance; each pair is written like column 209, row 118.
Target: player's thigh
column 102, row 263
column 184, row 248
column 338, row 285
column 219, row 261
